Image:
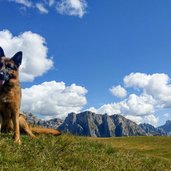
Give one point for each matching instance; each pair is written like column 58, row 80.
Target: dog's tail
column 41, row 130
column 35, row 129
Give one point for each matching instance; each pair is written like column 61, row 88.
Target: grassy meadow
column 67, row 152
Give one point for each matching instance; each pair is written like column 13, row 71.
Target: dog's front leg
column 15, row 118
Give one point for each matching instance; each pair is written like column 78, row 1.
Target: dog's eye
column 8, row 66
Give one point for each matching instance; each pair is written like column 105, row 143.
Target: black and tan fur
column 10, row 99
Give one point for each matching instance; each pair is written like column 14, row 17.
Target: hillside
column 73, row 153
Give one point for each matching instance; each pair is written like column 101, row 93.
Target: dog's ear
column 17, row 58
column 1, row 52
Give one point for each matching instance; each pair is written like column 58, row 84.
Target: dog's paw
column 17, row 141
column 34, row 137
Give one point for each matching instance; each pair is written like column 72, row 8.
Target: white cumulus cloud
column 53, row 99
column 151, row 119
column 138, row 105
column 26, row 3
column 118, row 91
column 64, row 7
column 134, row 105
column 138, row 80
column 41, row 8
column 35, row 59
column 134, row 108
column 139, row 109
column 156, row 85
column 72, row 7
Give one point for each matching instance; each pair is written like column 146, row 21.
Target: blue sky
column 90, row 47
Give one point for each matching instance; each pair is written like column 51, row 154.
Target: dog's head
column 9, row 66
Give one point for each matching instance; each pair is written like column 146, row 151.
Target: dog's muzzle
column 3, row 77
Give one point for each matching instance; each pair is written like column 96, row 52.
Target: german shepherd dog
column 10, row 99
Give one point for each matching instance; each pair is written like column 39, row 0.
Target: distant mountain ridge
column 167, row 127
column 151, row 130
column 97, row 125
column 52, row 123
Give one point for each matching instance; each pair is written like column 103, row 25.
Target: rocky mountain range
column 33, row 120
column 97, row 125
column 151, row 130
column 167, row 127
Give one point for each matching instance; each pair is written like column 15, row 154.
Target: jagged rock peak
column 91, row 124
column 151, row 130
column 52, row 123
column 167, row 127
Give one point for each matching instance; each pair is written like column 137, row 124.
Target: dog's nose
column 2, row 76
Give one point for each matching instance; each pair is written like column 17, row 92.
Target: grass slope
column 68, row 152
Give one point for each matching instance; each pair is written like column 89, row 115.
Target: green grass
column 67, row 152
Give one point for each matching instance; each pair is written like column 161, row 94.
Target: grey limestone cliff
column 98, row 125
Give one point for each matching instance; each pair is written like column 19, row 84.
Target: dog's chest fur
column 9, row 103
column 10, row 94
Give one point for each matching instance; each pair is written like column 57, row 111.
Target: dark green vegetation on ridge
column 68, row 152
